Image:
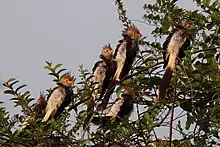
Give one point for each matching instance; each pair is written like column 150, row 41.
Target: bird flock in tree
column 108, row 71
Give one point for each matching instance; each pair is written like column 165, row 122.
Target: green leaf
column 9, row 92
column 61, row 70
column 158, row 2
column 206, row 2
column 118, row 91
column 13, row 83
column 57, row 66
column 17, row 89
column 10, row 80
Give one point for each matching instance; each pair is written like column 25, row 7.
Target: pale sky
column 71, row 32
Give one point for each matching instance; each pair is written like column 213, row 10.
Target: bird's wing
column 99, row 74
column 184, row 47
column 165, row 46
column 127, row 106
column 96, row 65
column 55, row 100
column 117, row 48
column 68, row 99
column 113, row 112
column 108, row 77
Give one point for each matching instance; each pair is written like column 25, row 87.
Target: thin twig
column 171, row 123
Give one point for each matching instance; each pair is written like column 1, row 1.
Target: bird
column 100, row 78
column 68, row 99
column 173, row 49
column 58, row 96
column 101, row 71
column 130, row 36
column 121, row 107
column 124, row 105
column 37, row 111
column 39, row 107
column 124, row 56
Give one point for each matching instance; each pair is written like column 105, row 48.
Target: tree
column 194, row 88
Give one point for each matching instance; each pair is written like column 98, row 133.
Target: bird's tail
column 107, row 96
column 167, row 77
column 47, row 115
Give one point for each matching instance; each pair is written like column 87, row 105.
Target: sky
column 71, row 32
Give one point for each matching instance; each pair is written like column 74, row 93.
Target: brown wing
column 68, row 99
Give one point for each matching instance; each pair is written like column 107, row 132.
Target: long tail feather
column 167, row 77
column 47, row 115
column 107, row 96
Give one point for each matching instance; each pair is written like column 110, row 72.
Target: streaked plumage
column 124, row 57
column 122, row 107
column 58, row 96
column 174, row 47
column 38, row 110
column 100, row 69
column 101, row 78
column 131, row 36
column 68, row 99
column 39, row 106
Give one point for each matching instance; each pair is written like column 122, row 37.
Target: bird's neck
column 106, row 60
column 127, row 38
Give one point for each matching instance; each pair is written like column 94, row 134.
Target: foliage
column 194, row 90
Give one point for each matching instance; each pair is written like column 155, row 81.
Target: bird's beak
column 71, row 82
column 139, row 35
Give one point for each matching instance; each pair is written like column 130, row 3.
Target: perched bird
column 39, row 107
column 122, row 107
column 37, row 111
column 101, row 71
column 173, row 47
column 68, row 99
column 131, row 36
column 124, row 57
column 58, row 96
column 101, row 77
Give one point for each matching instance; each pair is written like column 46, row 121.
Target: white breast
column 176, row 42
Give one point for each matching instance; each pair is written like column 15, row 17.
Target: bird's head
column 132, row 32
column 187, row 25
column 107, row 52
column 66, row 80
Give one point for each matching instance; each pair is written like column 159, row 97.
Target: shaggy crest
column 66, row 80
column 132, row 30
column 108, row 46
column 107, row 52
column 41, row 100
column 67, row 76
